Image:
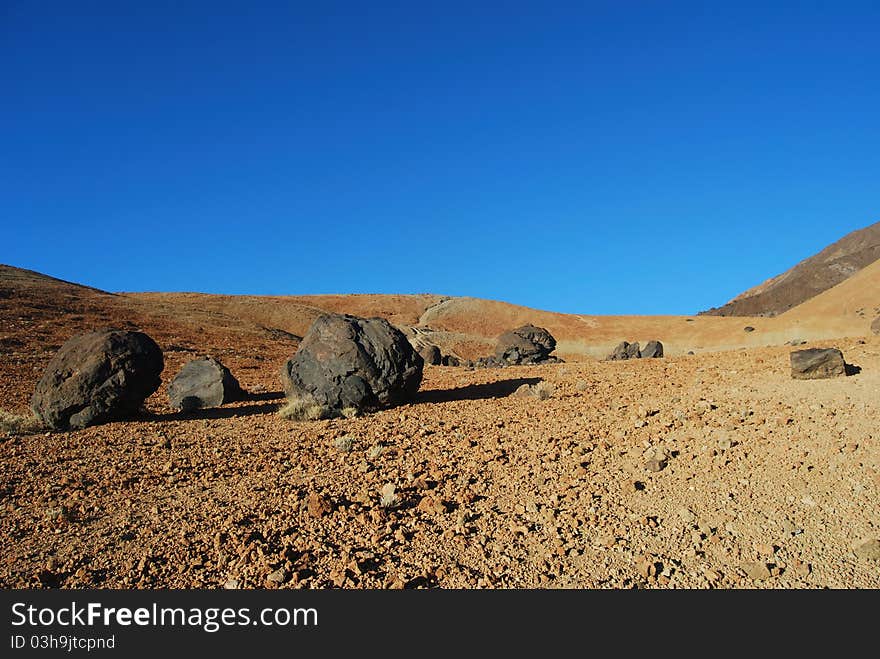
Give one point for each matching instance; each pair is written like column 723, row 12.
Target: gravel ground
column 708, row 471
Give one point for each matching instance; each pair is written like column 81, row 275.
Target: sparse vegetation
column 301, row 409
column 350, row 412
column 542, row 390
column 389, row 498
column 19, row 424
column 344, row 443
column 375, row 451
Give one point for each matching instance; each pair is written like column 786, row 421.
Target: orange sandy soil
column 770, row 482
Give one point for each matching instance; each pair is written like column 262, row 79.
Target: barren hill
column 39, row 313
column 814, row 275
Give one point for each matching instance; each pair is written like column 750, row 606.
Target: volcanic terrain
column 706, row 470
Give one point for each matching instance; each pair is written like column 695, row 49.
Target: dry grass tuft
column 542, row 391
column 20, row 424
column 302, row 409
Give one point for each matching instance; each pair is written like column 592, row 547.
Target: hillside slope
column 810, row 277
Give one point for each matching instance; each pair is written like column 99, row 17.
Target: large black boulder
column 203, row 383
column 346, row 361
column 97, row 377
column 525, row 345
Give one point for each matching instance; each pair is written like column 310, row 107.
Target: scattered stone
column 686, row 516
column 657, row 458
column 655, row 465
column 98, row 377
column 625, row 350
column 875, row 326
column 765, row 549
column 815, row 363
column 756, row 571
column 345, row 361
column 431, row 505
column 232, row 584
column 279, row 576
column 748, row 328
column 203, row 383
column 430, row 354
column 318, row 505
column 525, row 345
column 869, row 550
column 489, row 362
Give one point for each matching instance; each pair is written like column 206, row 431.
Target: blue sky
column 594, row 157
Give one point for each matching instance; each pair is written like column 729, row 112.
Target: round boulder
column 525, row 345
column 652, row 349
column 97, row 377
column 346, row 361
column 203, row 383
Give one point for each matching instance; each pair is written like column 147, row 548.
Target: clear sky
column 592, row 157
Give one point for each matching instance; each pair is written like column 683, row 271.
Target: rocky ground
column 707, row 471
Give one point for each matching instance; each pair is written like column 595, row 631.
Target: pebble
column 869, row 550
column 756, row 571
column 278, row 576
column 318, row 505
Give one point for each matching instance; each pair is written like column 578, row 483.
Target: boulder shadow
column 263, row 395
column 215, row 413
column 500, row 389
column 852, row 369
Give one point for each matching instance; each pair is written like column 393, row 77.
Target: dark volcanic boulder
column 652, row 349
column 815, row 363
column 429, row 353
column 203, row 383
column 525, row 345
column 98, row 377
column 450, row 360
column 625, row 350
column 345, row 361
column 875, row 326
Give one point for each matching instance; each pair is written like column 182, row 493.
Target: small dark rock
column 203, row 383
column 748, row 328
column 625, row 350
column 815, row 363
